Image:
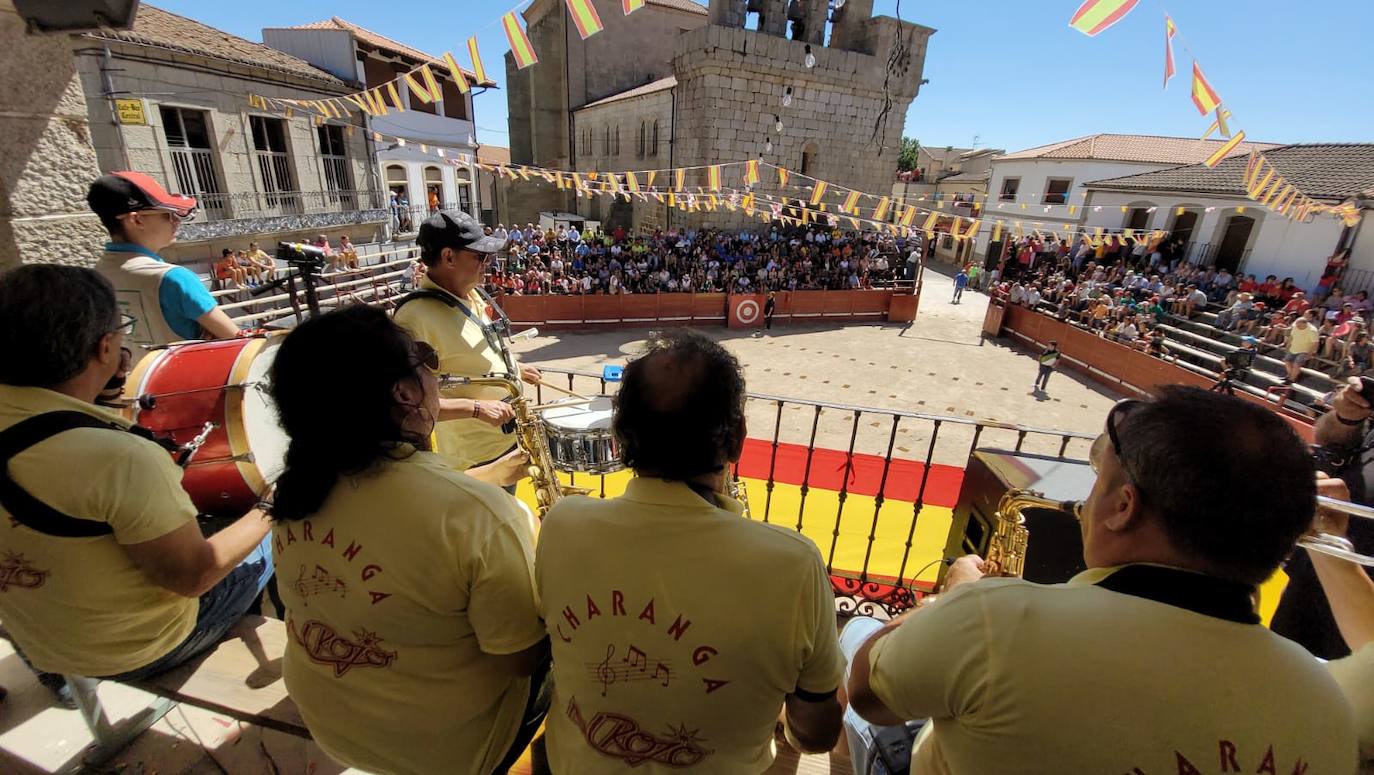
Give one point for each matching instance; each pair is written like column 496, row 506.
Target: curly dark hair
column 338, row 429
column 52, row 319
column 680, row 409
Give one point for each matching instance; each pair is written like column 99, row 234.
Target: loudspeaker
column 1055, row 552
column 76, row 15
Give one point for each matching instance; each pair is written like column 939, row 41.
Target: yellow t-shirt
column 1355, row 675
column 408, row 575
column 80, row 605
column 1074, row 678
column 463, row 352
column 677, row 630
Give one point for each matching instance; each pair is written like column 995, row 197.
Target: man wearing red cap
column 169, row 301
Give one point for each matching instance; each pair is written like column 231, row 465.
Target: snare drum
column 177, row 390
column 579, row 436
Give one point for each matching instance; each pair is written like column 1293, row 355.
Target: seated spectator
column 227, row 270
column 1299, row 346
column 675, row 553
column 124, row 585
column 348, row 255
column 265, row 262
column 1362, row 304
column 322, row 242
column 1229, row 317
column 251, row 269
column 1297, row 301
column 1198, row 455
column 434, row 658
column 1359, row 355
column 1194, row 302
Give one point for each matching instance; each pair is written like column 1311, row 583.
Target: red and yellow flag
column 1094, row 16
column 630, row 6
column 520, row 47
column 713, row 177
column 652, row 174
column 632, row 182
column 1169, row 31
column 1226, row 148
column 457, row 72
column 908, row 216
column 880, row 212
column 1204, row 97
column 585, row 17
column 420, row 87
column 479, row 72
column 751, row 172
column 782, row 176
column 1252, row 168
column 851, row 203
column 678, row 176
column 818, row 191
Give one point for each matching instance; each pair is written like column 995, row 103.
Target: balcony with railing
column 237, row 214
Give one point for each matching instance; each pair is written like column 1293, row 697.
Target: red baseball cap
column 125, row 192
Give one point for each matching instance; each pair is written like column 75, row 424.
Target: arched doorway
column 1235, row 237
column 1182, row 230
column 434, row 188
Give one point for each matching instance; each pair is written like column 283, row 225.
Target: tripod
column 307, row 263
column 1226, row 382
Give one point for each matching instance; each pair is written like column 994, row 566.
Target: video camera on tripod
column 307, row 260
column 1235, row 365
column 300, row 254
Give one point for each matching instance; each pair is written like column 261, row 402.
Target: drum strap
column 24, row 507
column 489, row 332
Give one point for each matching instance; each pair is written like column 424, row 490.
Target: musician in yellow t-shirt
column 691, row 629
column 414, row 642
column 1151, row 660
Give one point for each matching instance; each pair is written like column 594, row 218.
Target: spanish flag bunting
column 930, row 222
column 672, row 200
column 1252, row 167
column 395, row 95
column 378, row 101
column 1272, row 193
column 254, row 101
column 818, row 191
column 520, row 47
column 1219, row 125
column 630, row 6
column 1226, row 148
column 782, row 176
column 658, row 197
column 376, row 137
column 851, row 203
column 585, row 17
column 1023, row 205
column 751, row 172
column 456, row 72
column 880, row 212
column 1094, row 16
column 652, row 174
column 713, row 177
column 997, row 231
column 424, row 148
column 1169, row 32
column 1253, row 191
column 479, row 73
column 421, row 90
column 363, row 104
column 748, row 203
column 1073, row 209
column 909, row 216
column 679, row 175
column 1097, row 236
column 632, row 182
column 1204, row 97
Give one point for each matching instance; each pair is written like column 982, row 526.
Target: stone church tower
column 844, row 120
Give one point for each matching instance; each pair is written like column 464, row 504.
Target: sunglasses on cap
column 424, row 354
column 1113, row 437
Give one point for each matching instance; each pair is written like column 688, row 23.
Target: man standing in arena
column 169, row 301
column 1161, row 629
column 658, row 657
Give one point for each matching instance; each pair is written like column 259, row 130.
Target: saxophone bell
column 1006, row 555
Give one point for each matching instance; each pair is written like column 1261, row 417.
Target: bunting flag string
column 1094, row 16
column 585, row 17
column 476, row 57
column 630, row 6
column 520, row 47
column 1204, row 96
column 1169, row 31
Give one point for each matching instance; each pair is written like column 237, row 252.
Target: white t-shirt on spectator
column 1197, row 297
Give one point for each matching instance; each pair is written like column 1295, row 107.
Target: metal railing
column 861, row 431
column 255, row 204
column 337, row 181
column 382, row 277
column 195, row 173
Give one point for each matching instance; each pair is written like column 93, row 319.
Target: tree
column 906, row 160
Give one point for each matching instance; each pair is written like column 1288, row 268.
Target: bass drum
column 177, row 390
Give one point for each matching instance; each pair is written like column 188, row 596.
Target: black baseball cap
column 126, row 192
column 455, row 229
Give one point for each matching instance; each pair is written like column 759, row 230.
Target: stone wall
column 46, row 159
column 628, row 115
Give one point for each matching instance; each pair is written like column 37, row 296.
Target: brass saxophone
column 529, row 436
column 1006, row 554
column 735, row 489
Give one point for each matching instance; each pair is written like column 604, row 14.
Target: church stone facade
column 717, row 95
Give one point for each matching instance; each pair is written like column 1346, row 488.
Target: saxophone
column 735, row 488
column 529, row 436
column 1006, row 555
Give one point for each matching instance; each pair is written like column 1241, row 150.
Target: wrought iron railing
column 862, row 431
column 255, row 204
column 195, row 173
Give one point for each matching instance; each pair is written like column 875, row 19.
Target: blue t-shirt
column 960, row 280
column 181, row 296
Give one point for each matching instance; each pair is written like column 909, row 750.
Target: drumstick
column 552, row 386
column 574, row 402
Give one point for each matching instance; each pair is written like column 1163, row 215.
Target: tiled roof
column 943, row 154
column 1143, row 148
column 638, row 91
column 163, row 29
column 681, row 5
column 969, row 177
column 1325, row 171
column 378, row 40
column 493, row 154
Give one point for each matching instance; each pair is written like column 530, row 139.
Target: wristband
column 1344, row 421
column 475, row 408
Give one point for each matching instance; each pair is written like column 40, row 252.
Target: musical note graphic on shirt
column 634, row 666
column 321, row 581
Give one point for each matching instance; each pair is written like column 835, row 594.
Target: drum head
column 580, row 416
column 266, row 439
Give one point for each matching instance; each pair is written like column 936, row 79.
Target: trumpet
column 1007, row 546
column 1334, row 545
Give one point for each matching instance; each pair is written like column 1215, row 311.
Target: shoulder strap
column 26, row 509
column 425, row 293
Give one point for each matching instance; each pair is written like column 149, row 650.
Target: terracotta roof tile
column 493, row 154
column 1143, row 148
column 378, row 40
column 638, row 91
column 163, row 29
column 681, row 5
column 1335, row 171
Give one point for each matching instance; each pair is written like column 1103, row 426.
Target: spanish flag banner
column 1224, row 150
column 997, row 231
column 395, row 96
column 678, row 176
column 585, row 17
column 751, row 172
column 929, row 225
column 1219, row 125
column 818, row 191
column 456, row 72
column 782, row 176
column 851, row 203
column 1094, row 16
column 479, row 72
column 632, row 182
column 1204, row 96
column 1169, row 31
column 713, row 177
column 418, row 89
column 520, row 47
column 909, row 216
column 880, row 212
column 652, row 174
column 1261, row 179
column 1252, row 168
column 630, row 6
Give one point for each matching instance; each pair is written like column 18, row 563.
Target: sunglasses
column 1118, row 411
column 126, row 325
column 425, row 355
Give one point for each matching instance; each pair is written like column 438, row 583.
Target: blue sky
column 1009, row 72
